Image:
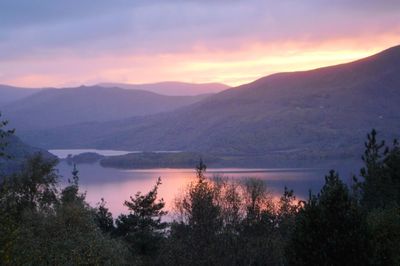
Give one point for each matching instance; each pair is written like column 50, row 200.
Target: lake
column 63, row 153
column 116, row 185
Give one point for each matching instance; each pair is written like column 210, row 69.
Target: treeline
column 155, row 160
column 216, row 221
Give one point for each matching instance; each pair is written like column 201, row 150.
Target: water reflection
column 116, row 186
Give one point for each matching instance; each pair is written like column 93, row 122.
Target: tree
column 35, row 217
column 257, row 200
column 379, row 190
column 3, row 135
column 230, row 200
column 288, row 209
column 143, row 228
column 259, row 234
column 379, row 186
column 34, row 187
column 199, row 206
column 197, row 235
column 70, row 194
column 103, row 218
column 329, row 229
column 384, row 234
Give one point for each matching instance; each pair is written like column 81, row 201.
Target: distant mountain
column 319, row 113
column 173, row 88
column 51, row 108
column 9, row 93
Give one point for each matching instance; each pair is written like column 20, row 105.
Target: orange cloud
column 232, row 66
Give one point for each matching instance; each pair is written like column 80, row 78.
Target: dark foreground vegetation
column 217, row 222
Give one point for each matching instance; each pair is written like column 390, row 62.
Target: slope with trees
column 312, row 114
column 10, row 94
column 173, row 88
column 51, row 108
column 14, row 152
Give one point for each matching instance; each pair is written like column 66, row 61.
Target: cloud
column 37, row 35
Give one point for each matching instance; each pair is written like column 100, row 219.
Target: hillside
column 10, row 94
column 18, row 151
column 318, row 113
column 58, row 107
column 173, row 88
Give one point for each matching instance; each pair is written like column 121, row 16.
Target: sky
column 47, row 43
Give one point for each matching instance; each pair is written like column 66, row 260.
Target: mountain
column 9, row 93
column 51, row 108
column 173, row 88
column 18, row 152
column 319, row 113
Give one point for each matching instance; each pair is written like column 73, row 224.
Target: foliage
column 223, row 222
column 41, row 225
column 381, row 174
column 143, row 228
column 3, row 135
column 103, row 218
column 380, row 199
column 219, row 221
column 194, row 236
column 329, row 229
column 384, row 234
column 33, row 188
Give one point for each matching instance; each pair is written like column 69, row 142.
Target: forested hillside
column 10, row 94
column 51, row 108
column 318, row 113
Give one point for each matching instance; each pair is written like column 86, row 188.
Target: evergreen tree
column 104, row 218
column 329, row 229
column 4, row 133
column 384, row 236
column 199, row 206
column 143, row 228
column 196, row 236
column 288, row 209
column 379, row 188
column 70, row 194
column 375, row 180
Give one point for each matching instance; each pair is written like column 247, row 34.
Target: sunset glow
column 184, row 47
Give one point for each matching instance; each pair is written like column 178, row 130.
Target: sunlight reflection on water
column 116, row 185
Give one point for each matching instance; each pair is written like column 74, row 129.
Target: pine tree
column 104, row 218
column 329, row 229
column 143, row 228
column 70, row 194
column 380, row 184
column 3, row 135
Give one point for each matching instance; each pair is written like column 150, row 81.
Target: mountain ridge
column 172, row 88
column 18, row 152
column 87, row 103
column 315, row 112
column 11, row 93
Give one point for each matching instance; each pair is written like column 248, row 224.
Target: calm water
column 117, row 185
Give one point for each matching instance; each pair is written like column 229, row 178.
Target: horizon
column 116, row 83
column 199, row 132
column 234, row 43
